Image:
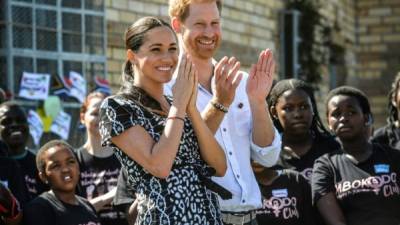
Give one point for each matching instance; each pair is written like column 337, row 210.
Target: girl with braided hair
column 390, row 133
column 294, row 113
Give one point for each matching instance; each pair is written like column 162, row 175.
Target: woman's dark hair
column 294, row 84
column 135, row 36
column 393, row 111
column 352, row 92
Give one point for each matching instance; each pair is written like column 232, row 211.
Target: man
column 233, row 108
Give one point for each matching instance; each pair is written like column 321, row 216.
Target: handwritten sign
column 61, row 125
column 78, row 86
column 35, row 126
column 34, row 86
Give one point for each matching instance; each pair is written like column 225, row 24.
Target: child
column 357, row 184
column 59, row 169
column 295, row 114
column 14, row 132
column 286, row 197
column 99, row 167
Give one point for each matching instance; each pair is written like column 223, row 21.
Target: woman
column 59, row 169
column 163, row 143
column 295, row 115
column 99, row 168
column 359, row 183
column 390, row 134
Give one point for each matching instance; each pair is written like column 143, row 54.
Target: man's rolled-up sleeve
column 267, row 156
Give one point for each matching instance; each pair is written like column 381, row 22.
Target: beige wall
column 339, row 18
column 378, row 52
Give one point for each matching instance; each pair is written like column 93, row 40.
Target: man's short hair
column 180, row 8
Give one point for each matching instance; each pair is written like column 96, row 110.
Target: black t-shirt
column 31, row 176
column 305, row 163
column 98, row 177
column 3, row 149
column 47, row 209
column 12, row 178
column 368, row 192
column 287, row 201
column 382, row 136
column 125, row 195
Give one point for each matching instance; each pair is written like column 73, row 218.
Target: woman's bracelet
column 219, row 106
column 176, row 117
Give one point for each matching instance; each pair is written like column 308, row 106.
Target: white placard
column 34, row 86
column 35, row 126
column 78, row 86
column 61, row 125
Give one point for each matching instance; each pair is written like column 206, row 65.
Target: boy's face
column 14, row 128
column 61, row 169
column 201, row 30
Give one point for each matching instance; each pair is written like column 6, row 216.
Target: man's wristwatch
column 219, row 106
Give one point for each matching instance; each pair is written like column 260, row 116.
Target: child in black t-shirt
column 59, row 168
column 358, row 184
column 390, row 133
column 295, row 115
column 99, row 167
column 286, row 197
column 124, row 199
column 14, row 132
column 11, row 175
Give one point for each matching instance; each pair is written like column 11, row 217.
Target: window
column 72, row 32
column 3, row 71
column 47, row 2
column 22, row 27
column 94, row 35
column 46, row 30
column 2, row 25
column 71, row 4
column 53, row 37
column 97, row 5
column 21, row 64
